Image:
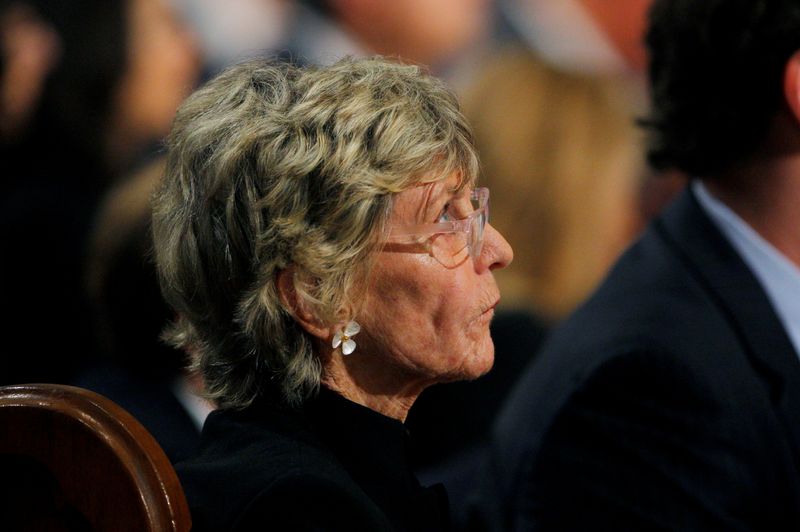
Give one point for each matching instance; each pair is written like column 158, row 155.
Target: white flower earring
column 345, row 338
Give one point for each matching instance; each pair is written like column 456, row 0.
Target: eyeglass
column 450, row 241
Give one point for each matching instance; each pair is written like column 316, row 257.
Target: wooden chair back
column 72, row 460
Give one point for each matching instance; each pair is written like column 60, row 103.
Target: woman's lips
column 490, row 309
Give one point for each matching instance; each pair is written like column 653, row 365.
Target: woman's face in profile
column 429, row 320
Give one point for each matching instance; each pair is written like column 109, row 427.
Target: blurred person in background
column 234, row 30
column 670, row 400
column 554, row 112
column 438, row 34
column 28, row 51
column 121, row 70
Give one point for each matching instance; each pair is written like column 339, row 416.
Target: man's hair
column 716, row 79
column 270, row 167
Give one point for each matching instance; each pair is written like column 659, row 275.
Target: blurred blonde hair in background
column 554, row 121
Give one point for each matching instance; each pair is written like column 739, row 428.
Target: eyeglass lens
column 452, row 249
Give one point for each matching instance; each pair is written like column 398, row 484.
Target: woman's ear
column 791, row 84
column 308, row 320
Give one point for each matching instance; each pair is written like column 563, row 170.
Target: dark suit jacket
column 333, row 466
column 669, row 401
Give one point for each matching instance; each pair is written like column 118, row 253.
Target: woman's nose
column 496, row 252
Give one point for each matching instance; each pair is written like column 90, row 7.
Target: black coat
column 335, row 465
column 669, row 401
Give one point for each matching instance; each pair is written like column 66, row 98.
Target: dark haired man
column 671, row 399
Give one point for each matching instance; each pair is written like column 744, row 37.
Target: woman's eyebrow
column 433, row 206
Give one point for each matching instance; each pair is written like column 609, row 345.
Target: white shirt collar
column 195, row 406
column 779, row 277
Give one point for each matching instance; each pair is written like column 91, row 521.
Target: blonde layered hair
column 269, row 167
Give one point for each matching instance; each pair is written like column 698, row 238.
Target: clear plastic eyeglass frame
column 450, row 242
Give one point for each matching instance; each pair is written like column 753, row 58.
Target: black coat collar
column 740, row 296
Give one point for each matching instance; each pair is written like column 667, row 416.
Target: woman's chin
column 482, row 365
column 475, row 366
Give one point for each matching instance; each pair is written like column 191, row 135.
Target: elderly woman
column 320, row 238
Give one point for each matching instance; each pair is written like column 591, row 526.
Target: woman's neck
column 382, row 390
